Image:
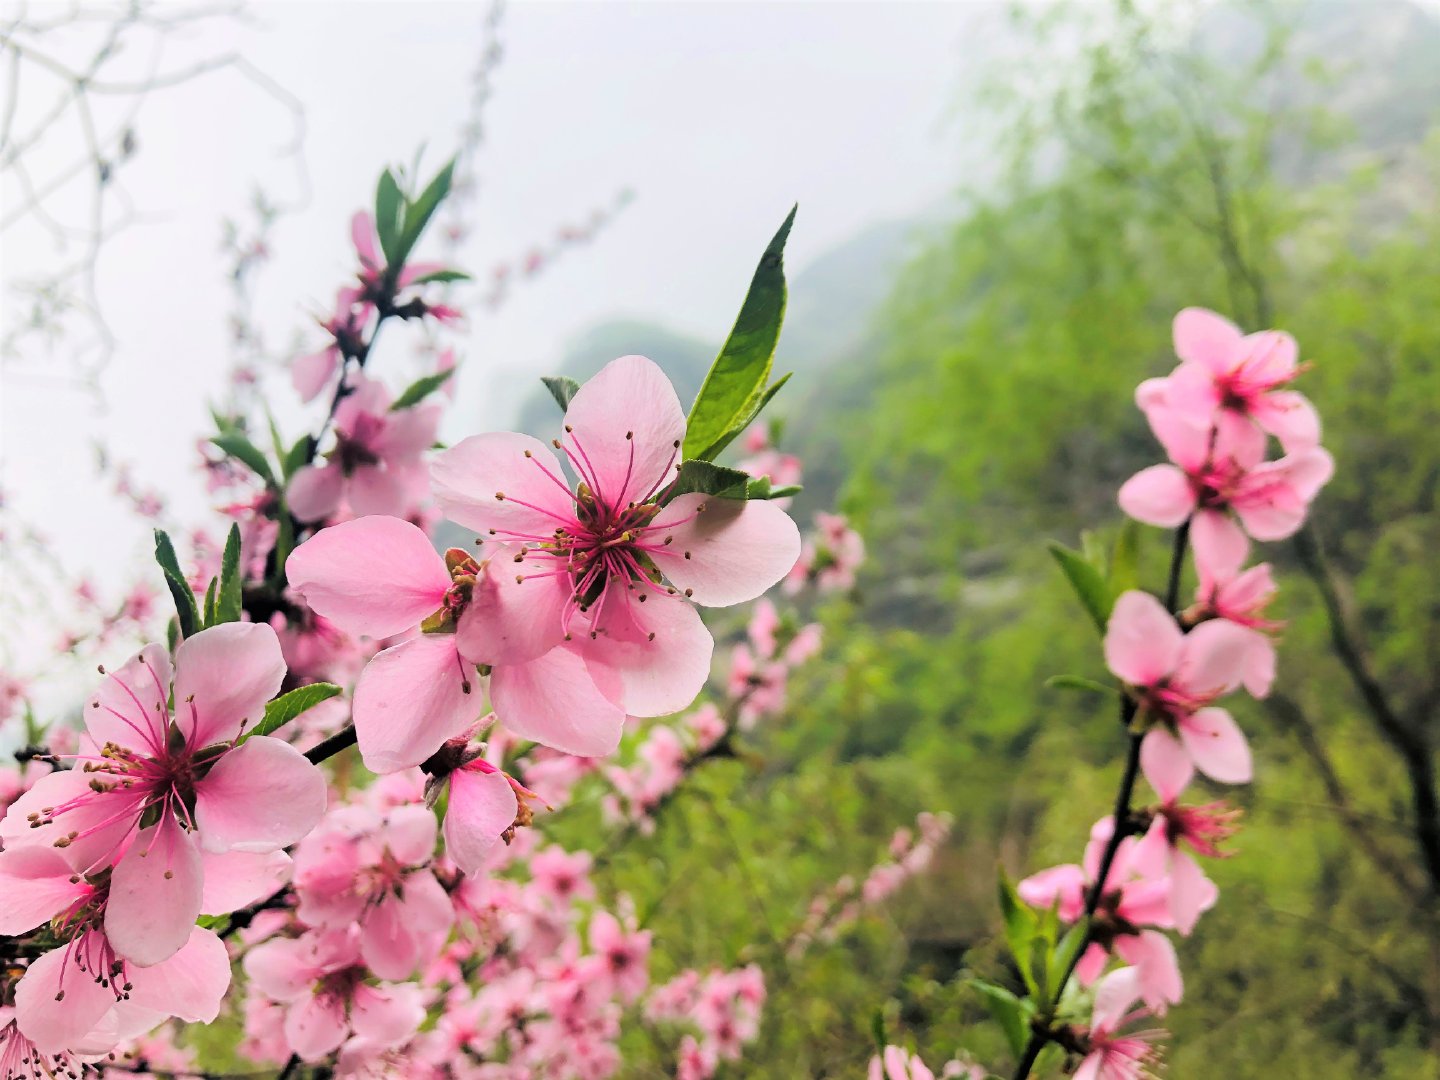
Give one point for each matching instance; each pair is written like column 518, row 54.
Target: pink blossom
column 359, row 869
column 1239, row 596
column 1175, row 677
column 320, row 978
column 1162, row 852
column 595, row 558
column 204, row 790
column 376, row 466
column 1217, row 469
column 1223, row 369
column 1108, row 1055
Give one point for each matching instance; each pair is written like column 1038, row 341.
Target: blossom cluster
column 1140, row 878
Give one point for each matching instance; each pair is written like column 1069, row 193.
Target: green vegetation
column 1164, row 165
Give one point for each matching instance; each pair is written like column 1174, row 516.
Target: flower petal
column 554, row 700
column 498, row 481
column 223, row 678
column 510, row 621
column 236, row 879
column 658, row 652
column 189, row 985
column 130, row 709
column 376, row 576
column 35, row 886
column 1217, row 746
column 1160, row 495
column 1203, row 337
column 1143, row 643
column 723, row 551
column 260, row 796
column 625, row 428
column 482, row 805
column 410, row 699
column 1212, row 659
column 55, row 1025
column 1165, row 763
column 314, row 491
column 155, row 894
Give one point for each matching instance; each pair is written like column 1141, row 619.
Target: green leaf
column 735, row 386
column 178, row 586
column 418, row 213
column 1064, row 955
column 388, row 203
column 420, row 389
column 1009, row 1011
column 238, row 445
column 711, row 479
column 714, row 449
column 1021, row 926
column 227, row 602
column 562, row 388
column 298, row 456
column 1125, row 559
column 284, row 544
column 877, row 1030
column 287, row 707
column 1079, row 682
column 207, row 612
column 786, row 492
column 1087, row 581
column 444, row 277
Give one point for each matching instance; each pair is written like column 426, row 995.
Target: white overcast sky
column 718, row 115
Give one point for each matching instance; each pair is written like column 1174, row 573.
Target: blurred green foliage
column 1163, row 161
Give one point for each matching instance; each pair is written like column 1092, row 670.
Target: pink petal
column 1260, row 658
column 629, row 426
column 35, row 886
column 1203, row 337
column 1212, row 659
column 1165, row 763
column 236, row 879
column 1114, row 995
column 376, row 576
column 409, row 432
column 554, row 700
column 1191, row 392
column 659, row 653
column 281, row 968
column 374, row 490
column 260, row 796
column 314, row 491
column 1185, row 438
column 1270, row 357
column 509, row 621
column 1217, row 746
column 1221, row 546
column 155, row 894
column 387, row 1015
column 1160, row 495
column 130, row 708
column 315, row 1026
column 498, row 481
column 411, row 699
column 1092, row 963
column 309, row 374
column 362, row 235
column 95, row 817
column 1290, row 417
column 482, row 806
column 723, row 551
column 1143, row 643
column 1153, row 955
column 1191, row 892
column 409, row 834
column 58, row 1025
column 223, row 678
column 1062, row 884
column 402, row 932
column 189, row 985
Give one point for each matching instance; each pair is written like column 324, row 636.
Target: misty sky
column 719, row 116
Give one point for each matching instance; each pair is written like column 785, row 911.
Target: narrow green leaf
column 1064, row 955
column 1125, row 559
column 388, row 203
column 711, row 479
column 1009, row 1012
column 418, row 213
column 1088, row 583
column 228, row 606
column 737, row 379
column 713, row 451
column 443, row 277
column 562, row 388
column 284, row 544
column 238, row 445
column 1021, row 926
column 877, row 1030
column 786, row 492
column 298, row 456
column 208, row 611
column 175, row 580
column 287, row 707
column 421, row 388
column 1079, row 682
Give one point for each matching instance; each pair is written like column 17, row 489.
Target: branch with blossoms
column 404, row 916
column 1139, row 879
